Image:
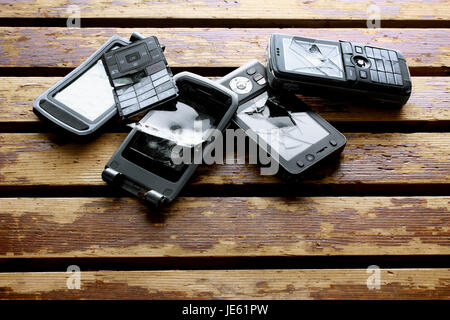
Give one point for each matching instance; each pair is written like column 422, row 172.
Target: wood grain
column 96, row 228
column 429, row 103
column 38, row 159
column 222, row 9
column 293, row 284
column 204, row 47
column 224, row 227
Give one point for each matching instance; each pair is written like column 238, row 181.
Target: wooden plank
column 38, row 159
column 322, row 284
column 224, row 227
column 218, row 9
column 429, row 103
column 204, row 47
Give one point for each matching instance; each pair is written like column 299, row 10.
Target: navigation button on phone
column 261, row 81
column 251, row 71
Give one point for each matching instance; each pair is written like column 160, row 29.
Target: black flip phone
column 144, row 164
column 303, row 137
column 319, row 67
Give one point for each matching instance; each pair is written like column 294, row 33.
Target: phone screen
column 281, row 124
column 90, row 95
column 312, row 58
column 185, row 123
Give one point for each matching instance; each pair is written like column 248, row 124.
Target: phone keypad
column 144, row 92
column 384, row 66
column 140, row 76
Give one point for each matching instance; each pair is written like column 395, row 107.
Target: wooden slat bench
column 232, row 233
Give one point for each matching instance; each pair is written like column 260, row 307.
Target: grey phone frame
column 148, row 185
column 67, row 80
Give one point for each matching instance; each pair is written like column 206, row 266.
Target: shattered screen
column 312, row 58
column 185, row 123
column 281, row 124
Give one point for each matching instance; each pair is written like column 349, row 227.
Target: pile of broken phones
column 280, row 123
column 128, row 77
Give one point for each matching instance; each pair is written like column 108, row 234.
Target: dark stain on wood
column 390, row 291
column 99, row 289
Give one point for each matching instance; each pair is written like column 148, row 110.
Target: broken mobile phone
column 83, row 100
column 280, row 123
column 319, row 67
column 140, row 75
column 146, row 163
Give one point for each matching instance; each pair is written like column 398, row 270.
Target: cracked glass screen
column 312, row 58
column 90, row 95
column 185, row 123
column 288, row 131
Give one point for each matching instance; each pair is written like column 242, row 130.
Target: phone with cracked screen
column 279, row 122
column 147, row 163
column 344, row 69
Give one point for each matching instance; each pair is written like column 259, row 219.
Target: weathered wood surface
column 430, row 103
column 223, row 9
column 39, row 159
column 321, row 284
column 203, row 226
column 206, row 47
column 224, row 226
